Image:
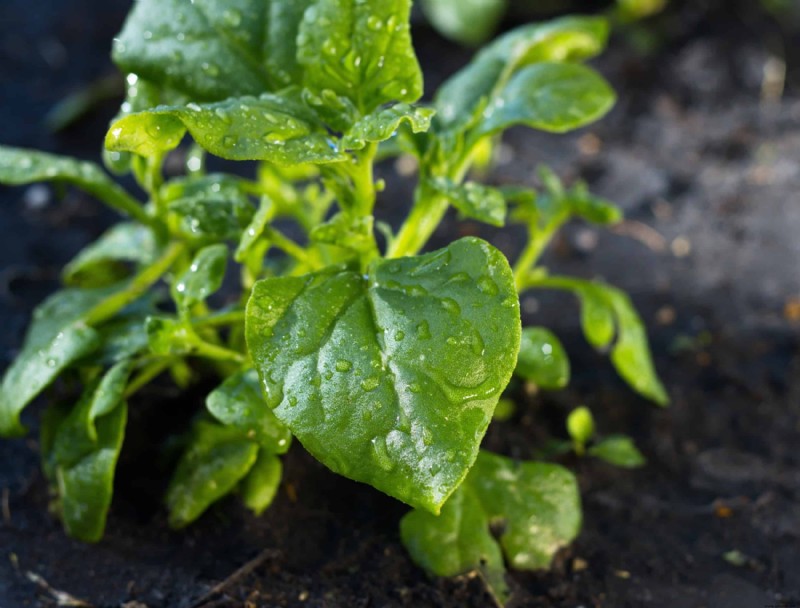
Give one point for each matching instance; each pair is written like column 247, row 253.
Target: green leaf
column 255, row 229
column 355, row 234
column 83, row 452
column 538, row 503
column 203, row 277
column 383, row 124
column 275, row 128
column 474, row 200
column 212, row 49
column 618, row 450
column 460, row 101
column 542, row 359
column 360, row 49
column 554, row 97
column 169, row 337
column 215, row 461
column 390, row 379
column 56, row 338
column 86, row 487
column 580, row 426
column 466, row 21
column 238, row 403
column 19, row 167
column 107, row 260
column 607, row 311
column 262, row 482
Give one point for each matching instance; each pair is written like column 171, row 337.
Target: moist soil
column 705, row 160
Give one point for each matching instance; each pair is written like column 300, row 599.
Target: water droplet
column 371, row 383
column 381, row 454
column 343, row 365
column 451, row 306
column 488, row 286
column 292, row 401
column 51, row 362
column 399, row 336
column 414, row 387
column 232, row 18
column 210, row 69
column 423, row 331
column 374, row 23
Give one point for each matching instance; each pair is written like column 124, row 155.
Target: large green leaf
column 466, row 21
column 106, row 261
column 462, row 98
column 56, row 338
column 555, row 97
column 214, row 462
column 391, row 379
column 542, row 359
column 538, row 503
column 275, row 128
column 213, row 49
column 18, row 167
column 360, row 49
column 238, row 403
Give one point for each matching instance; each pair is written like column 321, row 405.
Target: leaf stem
column 136, row 288
column 288, row 246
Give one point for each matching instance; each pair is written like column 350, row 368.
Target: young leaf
column 382, row 125
column 262, row 482
column 212, row 49
column 474, row 200
column 214, row 462
column 391, row 379
column 254, row 230
column 18, row 167
column 465, row 21
column 606, row 310
column 202, row 278
column 347, row 232
column 580, row 426
column 86, row 485
column 538, row 503
column 275, row 128
column 555, row 97
column 104, row 262
column 542, row 359
column 460, row 101
column 238, row 403
column 618, row 450
column 167, row 337
column 360, row 49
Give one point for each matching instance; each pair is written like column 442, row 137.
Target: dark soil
column 708, row 172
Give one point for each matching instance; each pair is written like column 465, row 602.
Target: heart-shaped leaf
column 391, row 379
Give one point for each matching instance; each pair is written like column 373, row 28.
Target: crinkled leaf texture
column 391, row 378
column 538, row 503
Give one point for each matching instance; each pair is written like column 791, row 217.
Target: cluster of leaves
column 386, row 364
column 472, row 22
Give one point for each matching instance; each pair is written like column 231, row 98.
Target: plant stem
column 136, row 288
column 287, row 245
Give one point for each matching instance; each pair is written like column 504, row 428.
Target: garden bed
column 707, row 171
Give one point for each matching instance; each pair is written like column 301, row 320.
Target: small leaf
column 360, row 49
column 252, row 234
column 538, row 503
column 382, row 125
column 466, row 21
column 580, row 426
column 215, row 461
column 474, row 200
column 275, row 128
column 84, row 452
column 238, row 403
column 554, row 97
column 19, row 167
column 104, row 262
column 542, row 359
column 203, row 278
column 262, row 482
column 618, row 450
column 460, row 101
column 168, row 337
column 342, row 230
column 390, row 379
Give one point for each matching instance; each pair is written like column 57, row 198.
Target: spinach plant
column 385, row 363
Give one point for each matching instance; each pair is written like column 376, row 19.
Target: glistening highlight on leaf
column 385, row 361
